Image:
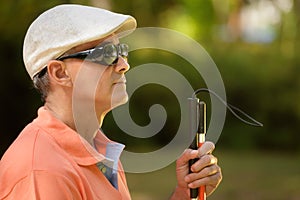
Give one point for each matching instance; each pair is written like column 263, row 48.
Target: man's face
column 111, row 88
column 96, row 84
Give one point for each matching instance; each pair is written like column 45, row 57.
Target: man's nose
column 122, row 65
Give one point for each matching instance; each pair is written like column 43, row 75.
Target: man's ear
column 58, row 73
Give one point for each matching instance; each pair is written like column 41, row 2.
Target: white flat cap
column 66, row 26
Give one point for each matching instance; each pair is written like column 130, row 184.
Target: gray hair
column 41, row 83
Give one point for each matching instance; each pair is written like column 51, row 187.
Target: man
column 72, row 54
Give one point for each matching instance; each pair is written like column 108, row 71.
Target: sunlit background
column 255, row 45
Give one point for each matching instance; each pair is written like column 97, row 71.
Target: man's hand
column 204, row 172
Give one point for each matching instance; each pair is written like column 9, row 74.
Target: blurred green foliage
column 260, row 78
column 259, row 172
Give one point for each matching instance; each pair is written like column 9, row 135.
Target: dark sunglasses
column 106, row 54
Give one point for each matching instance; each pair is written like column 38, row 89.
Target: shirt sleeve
column 46, row 186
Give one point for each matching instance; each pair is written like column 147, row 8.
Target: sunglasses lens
column 105, row 55
column 123, row 50
column 96, row 55
column 110, row 54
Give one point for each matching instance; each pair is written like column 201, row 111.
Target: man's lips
column 120, row 81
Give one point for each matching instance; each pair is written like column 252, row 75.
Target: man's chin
column 120, row 101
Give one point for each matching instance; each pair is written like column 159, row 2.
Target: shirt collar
column 69, row 140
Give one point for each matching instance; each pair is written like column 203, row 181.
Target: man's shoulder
column 33, row 150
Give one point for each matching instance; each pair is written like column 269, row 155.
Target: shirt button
column 103, row 169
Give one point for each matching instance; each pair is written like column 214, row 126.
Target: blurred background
column 254, row 44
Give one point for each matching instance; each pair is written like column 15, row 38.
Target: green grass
column 246, row 176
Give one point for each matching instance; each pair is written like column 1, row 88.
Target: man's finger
column 206, row 148
column 187, row 155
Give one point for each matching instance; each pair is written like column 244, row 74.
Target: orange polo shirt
column 49, row 160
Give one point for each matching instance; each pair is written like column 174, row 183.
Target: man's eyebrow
column 105, row 42
column 101, row 44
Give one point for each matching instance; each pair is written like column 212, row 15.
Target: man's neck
column 83, row 122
